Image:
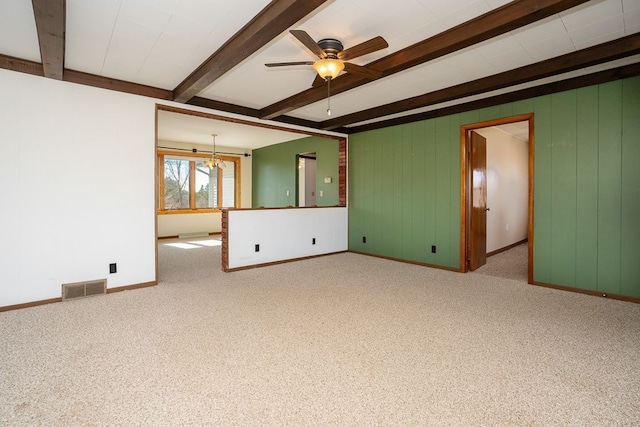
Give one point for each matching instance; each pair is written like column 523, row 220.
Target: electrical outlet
column 113, row 268
column 364, row 239
column 313, row 241
column 257, row 247
column 287, row 193
column 433, row 249
column 321, row 193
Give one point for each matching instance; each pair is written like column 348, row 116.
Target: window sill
column 189, row 211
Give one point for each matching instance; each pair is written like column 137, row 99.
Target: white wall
column 172, row 225
column 284, row 234
column 77, row 168
column 507, row 188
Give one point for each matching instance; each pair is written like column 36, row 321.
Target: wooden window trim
column 192, row 170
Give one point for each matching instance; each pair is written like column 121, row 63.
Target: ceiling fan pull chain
column 329, row 96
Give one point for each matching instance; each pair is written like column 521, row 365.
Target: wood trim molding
column 530, row 223
column 262, row 208
column 499, row 121
column 405, row 261
column 30, row 304
column 21, row 65
column 132, row 287
column 213, row 116
column 213, row 233
column 267, row 264
column 506, row 248
column 588, row 292
column 191, row 157
column 464, row 185
column 158, row 169
column 464, row 188
column 54, row 300
column 274, row 19
column 509, row 17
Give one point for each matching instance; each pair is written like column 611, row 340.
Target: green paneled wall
column 586, row 181
column 404, row 187
column 630, row 189
column 275, row 169
column 402, row 195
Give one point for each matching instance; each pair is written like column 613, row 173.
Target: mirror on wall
column 264, row 174
column 185, row 132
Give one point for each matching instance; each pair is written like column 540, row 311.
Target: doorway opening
column 497, row 195
column 306, row 195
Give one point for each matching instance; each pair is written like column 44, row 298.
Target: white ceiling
column 188, row 128
column 160, row 42
column 519, row 130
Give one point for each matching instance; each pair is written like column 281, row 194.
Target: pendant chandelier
column 215, row 161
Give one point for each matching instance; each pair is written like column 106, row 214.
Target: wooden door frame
column 465, row 190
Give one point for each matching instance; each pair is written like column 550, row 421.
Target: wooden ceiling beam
column 36, row 69
column 506, row 18
column 605, row 52
column 115, row 84
column 50, row 18
column 249, row 112
column 532, row 92
column 273, row 20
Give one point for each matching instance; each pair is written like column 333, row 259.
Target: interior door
column 478, row 221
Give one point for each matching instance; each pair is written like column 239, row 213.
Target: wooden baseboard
column 545, row 285
column 266, row 264
column 178, row 237
column 422, row 264
column 131, row 287
column 506, row 248
column 30, row 304
column 54, row 300
column 588, row 292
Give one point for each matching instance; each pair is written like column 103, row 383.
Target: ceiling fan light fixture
column 328, row 68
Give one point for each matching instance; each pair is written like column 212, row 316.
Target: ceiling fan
column 333, row 57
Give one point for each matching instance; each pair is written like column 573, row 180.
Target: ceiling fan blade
column 369, row 73
column 309, row 43
column 318, row 81
column 286, row 64
column 364, row 48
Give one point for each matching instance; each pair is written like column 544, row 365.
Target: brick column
column 224, row 232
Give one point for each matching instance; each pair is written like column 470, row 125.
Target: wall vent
column 83, row 289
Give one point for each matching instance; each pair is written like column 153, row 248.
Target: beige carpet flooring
column 510, row 264
column 339, row 340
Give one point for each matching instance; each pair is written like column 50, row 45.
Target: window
column 187, row 185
